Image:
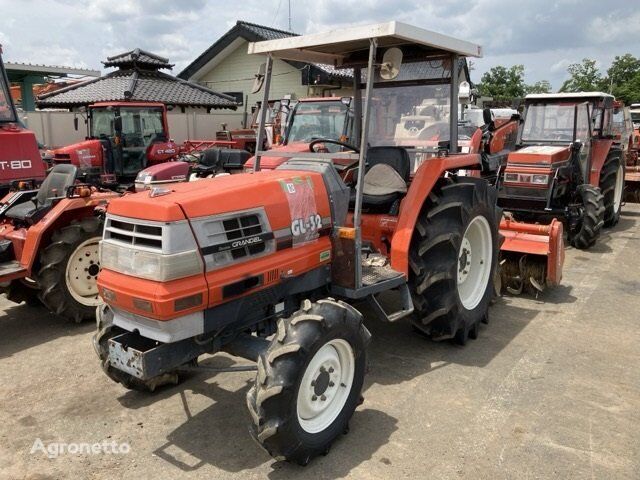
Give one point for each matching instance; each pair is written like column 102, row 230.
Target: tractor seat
column 385, row 181
column 59, row 179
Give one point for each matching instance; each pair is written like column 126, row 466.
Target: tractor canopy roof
column 606, row 98
column 346, row 47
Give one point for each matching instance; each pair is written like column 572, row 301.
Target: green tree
column 541, row 86
column 503, row 83
column 583, row 77
column 623, row 78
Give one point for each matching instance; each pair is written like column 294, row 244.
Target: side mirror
column 117, row 123
column 285, row 102
column 75, row 122
column 464, row 93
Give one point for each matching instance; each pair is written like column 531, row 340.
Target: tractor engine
column 188, row 260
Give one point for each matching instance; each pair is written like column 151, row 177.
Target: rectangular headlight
column 540, row 179
column 150, row 265
column 511, row 177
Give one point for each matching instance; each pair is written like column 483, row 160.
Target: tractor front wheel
column 453, row 258
column 587, row 230
column 612, row 188
column 309, row 381
column 70, row 267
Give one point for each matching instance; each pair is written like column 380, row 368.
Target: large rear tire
column 612, row 187
column 453, row 258
column 309, row 381
column 592, row 217
column 70, row 267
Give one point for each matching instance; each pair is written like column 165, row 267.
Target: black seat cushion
column 397, row 157
column 59, row 179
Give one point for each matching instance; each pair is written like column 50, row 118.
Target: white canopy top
column 335, row 46
column 551, row 96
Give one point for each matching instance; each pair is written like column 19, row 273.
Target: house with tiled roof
column 226, row 67
column 137, row 78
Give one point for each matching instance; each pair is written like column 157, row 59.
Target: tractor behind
column 20, row 159
column 632, row 179
column 567, row 164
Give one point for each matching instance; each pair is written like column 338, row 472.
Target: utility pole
column 289, row 15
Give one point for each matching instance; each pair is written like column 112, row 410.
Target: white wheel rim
column 617, row 193
column 325, row 386
column 82, row 273
column 474, row 262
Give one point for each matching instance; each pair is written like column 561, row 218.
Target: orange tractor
column 49, row 236
column 267, row 265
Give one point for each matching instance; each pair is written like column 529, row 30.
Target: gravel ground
column 549, row 390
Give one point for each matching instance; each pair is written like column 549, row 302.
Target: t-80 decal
column 15, row 164
column 303, row 226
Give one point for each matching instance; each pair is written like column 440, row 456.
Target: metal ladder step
column 406, row 310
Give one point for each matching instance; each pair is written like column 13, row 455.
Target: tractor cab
column 20, row 160
column 123, row 138
column 308, row 120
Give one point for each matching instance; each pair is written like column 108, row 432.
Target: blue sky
column 545, row 36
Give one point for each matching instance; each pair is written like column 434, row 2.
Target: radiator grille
column 149, row 236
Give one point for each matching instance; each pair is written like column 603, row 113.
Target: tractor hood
column 271, row 190
column 85, row 154
column 269, row 163
column 544, row 155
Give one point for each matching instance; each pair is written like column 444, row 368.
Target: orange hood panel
column 540, row 155
column 219, row 195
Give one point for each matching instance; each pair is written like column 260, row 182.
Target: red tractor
column 123, row 138
column 268, row 265
column 628, row 127
column 567, row 164
column 20, row 159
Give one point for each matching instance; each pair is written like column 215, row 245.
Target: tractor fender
column 63, row 213
column 421, row 185
column 600, row 150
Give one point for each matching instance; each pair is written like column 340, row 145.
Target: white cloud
column 545, row 38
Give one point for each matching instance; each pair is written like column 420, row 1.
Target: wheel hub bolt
column 314, row 398
column 323, row 398
column 331, row 384
column 331, row 370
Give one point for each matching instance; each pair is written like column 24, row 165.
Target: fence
column 55, row 129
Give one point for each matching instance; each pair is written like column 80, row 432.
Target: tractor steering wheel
column 335, row 142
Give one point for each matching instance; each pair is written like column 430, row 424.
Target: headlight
column 511, row 177
column 150, row 265
column 540, row 179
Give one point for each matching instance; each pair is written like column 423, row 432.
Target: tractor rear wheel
column 309, row 381
column 70, row 267
column 453, row 258
column 106, row 330
column 612, row 187
column 587, row 231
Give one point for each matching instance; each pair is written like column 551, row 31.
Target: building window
column 238, row 96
